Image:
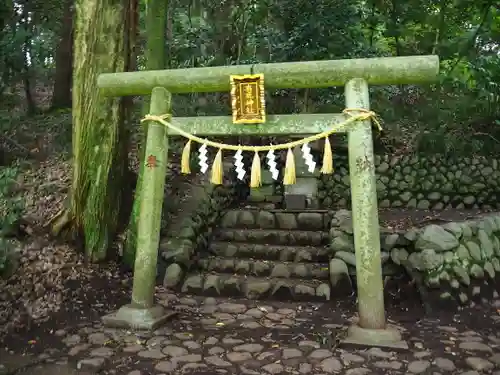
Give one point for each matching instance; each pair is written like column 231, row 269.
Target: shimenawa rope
column 255, row 178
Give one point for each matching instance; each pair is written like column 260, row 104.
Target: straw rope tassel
column 185, row 161
column 217, row 170
column 327, row 167
column 255, row 177
column 289, row 177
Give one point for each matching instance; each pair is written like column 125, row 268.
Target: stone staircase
column 261, row 253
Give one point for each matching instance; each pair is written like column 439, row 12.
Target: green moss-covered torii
column 356, row 75
column 290, row 75
column 156, row 23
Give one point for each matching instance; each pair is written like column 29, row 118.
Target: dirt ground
column 401, row 219
column 211, row 336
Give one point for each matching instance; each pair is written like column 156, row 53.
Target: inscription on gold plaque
column 247, row 99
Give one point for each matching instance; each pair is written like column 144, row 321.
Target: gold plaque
column 247, row 99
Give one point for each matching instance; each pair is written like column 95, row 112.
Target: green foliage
column 11, row 208
column 27, row 41
column 6, row 256
column 11, row 204
column 458, row 115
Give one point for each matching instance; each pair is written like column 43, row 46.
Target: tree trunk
column 156, row 22
column 100, row 139
column 170, row 33
column 373, row 22
column 28, row 62
column 61, row 98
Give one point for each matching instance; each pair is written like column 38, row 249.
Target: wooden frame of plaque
column 247, row 99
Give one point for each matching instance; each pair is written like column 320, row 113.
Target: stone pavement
column 224, row 336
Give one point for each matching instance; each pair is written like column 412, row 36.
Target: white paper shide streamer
column 202, row 156
column 271, row 162
column 306, row 153
column 239, row 166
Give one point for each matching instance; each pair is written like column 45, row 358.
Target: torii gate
column 355, row 75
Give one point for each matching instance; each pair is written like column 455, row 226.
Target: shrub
column 6, row 256
column 11, row 208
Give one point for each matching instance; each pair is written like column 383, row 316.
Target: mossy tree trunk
column 156, row 23
column 100, row 139
column 61, row 97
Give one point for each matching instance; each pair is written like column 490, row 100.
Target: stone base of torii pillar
column 132, row 317
column 389, row 337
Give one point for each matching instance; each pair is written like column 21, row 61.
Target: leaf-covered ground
column 40, row 148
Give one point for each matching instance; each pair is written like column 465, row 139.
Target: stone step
column 259, row 206
column 277, row 268
column 277, row 199
column 265, row 268
column 284, row 253
column 273, row 236
column 215, row 285
column 252, row 218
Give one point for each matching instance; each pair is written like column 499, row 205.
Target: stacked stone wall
column 179, row 250
column 420, row 182
column 458, row 261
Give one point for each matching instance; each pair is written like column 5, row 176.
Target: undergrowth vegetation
column 11, row 209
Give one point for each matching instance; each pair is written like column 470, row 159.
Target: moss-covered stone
column 436, row 238
column 461, row 274
column 179, row 250
column 414, row 182
column 474, row 250
column 449, row 256
column 476, row 271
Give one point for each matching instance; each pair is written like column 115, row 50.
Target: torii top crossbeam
column 287, row 75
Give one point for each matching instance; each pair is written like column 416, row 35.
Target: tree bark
column 61, row 98
column 170, row 33
column 156, row 23
column 100, row 139
column 27, row 65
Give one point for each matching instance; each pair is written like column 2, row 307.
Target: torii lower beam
column 298, row 124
